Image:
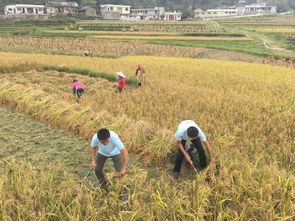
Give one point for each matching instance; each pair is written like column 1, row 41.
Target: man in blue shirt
column 189, row 130
column 109, row 145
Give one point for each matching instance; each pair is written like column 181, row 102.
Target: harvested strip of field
column 182, row 38
column 103, row 47
column 24, row 138
column 273, row 30
column 117, row 32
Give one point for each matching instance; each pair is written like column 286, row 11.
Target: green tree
column 282, row 5
column 291, row 4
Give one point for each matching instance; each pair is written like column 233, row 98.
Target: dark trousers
column 196, row 144
column 100, row 161
column 78, row 92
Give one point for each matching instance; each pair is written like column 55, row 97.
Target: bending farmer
column 189, row 130
column 109, row 145
column 139, row 73
column 78, row 88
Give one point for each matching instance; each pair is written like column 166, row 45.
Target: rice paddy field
column 177, row 36
column 246, row 110
column 243, row 101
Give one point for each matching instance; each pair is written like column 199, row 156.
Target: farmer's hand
column 188, row 159
column 213, row 160
column 93, row 164
column 122, row 172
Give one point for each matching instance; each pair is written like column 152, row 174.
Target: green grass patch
column 108, row 76
column 60, row 35
column 214, row 34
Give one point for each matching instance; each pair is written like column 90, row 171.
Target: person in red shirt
column 121, row 82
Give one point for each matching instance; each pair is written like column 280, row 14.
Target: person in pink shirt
column 78, row 88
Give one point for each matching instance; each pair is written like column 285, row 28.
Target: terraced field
column 246, row 110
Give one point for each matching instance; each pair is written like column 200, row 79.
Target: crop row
column 107, row 48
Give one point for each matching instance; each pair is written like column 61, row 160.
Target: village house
column 238, row 10
column 24, row 9
column 114, row 12
column 260, row 8
column 88, row 11
column 147, row 14
column 172, row 16
column 215, row 13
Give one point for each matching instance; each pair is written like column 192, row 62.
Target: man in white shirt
column 109, row 145
column 189, row 130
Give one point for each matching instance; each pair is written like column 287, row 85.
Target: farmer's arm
column 209, row 149
column 186, row 156
column 93, row 155
column 124, row 163
column 94, row 143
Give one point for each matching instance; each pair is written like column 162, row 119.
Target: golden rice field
column 187, row 38
column 183, row 27
column 105, row 48
column 246, row 110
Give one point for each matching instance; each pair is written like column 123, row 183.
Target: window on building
column 40, row 9
column 214, row 13
column 209, row 13
column 19, row 9
column 111, row 8
column 126, row 9
column 226, row 12
column 30, row 10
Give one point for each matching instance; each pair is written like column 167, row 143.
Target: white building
column 114, row 12
column 260, row 8
column 24, row 9
column 215, row 13
column 239, row 10
column 147, row 14
column 173, row 16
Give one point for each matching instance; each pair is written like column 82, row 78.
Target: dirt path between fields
column 271, row 44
